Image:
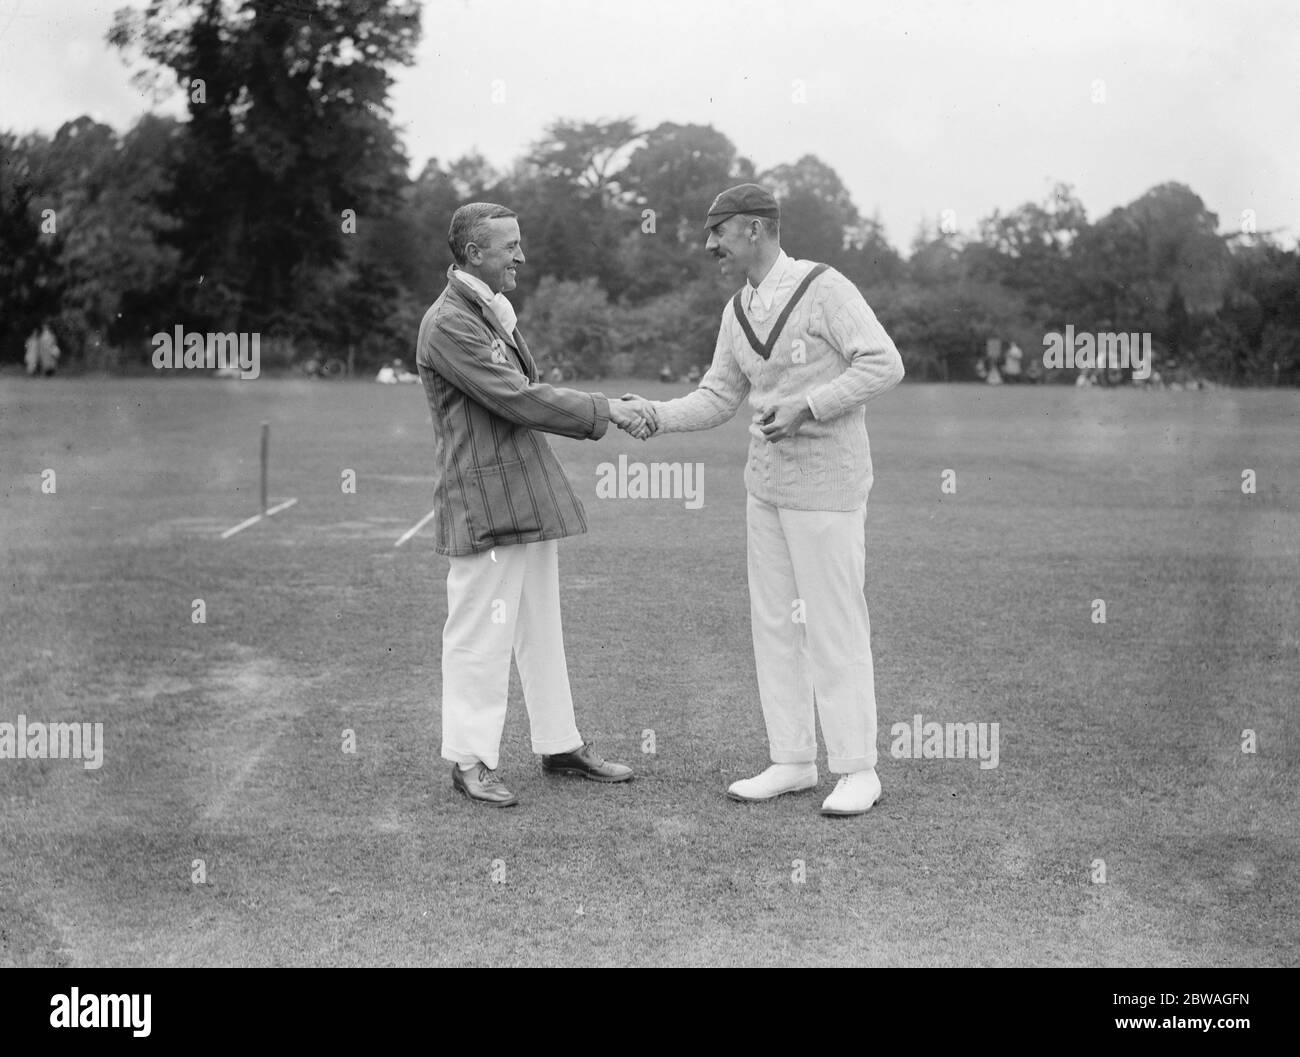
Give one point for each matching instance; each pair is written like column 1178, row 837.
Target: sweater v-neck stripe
column 764, row 349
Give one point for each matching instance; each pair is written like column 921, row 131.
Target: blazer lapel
column 526, row 356
column 495, row 324
column 485, row 311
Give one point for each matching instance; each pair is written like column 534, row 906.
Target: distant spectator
column 666, row 373
column 555, row 376
column 693, row 375
column 42, row 352
column 1011, row 365
column 47, row 351
column 986, row 364
column 395, row 372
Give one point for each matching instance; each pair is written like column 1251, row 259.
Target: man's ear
column 473, row 255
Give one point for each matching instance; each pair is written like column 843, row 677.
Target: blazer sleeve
column 458, row 348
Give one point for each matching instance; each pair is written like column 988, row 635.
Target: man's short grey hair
column 469, row 224
column 771, row 226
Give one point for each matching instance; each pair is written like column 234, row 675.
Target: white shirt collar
column 765, row 292
column 498, row 304
column 476, row 284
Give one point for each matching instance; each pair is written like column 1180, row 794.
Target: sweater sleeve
column 874, row 365
column 721, row 392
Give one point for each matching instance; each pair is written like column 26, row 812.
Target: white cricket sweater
column 833, row 352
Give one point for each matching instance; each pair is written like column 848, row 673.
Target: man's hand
column 635, row 415
column 783, row 419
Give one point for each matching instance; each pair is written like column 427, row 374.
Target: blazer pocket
column 498, row 500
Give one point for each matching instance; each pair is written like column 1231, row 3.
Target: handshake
column 635, row 415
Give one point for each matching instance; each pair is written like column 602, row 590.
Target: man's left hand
column 783, row 419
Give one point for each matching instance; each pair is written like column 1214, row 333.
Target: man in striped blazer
column 503, row 502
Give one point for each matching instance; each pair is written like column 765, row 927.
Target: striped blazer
column 496, row 479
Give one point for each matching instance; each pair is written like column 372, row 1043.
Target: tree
column 670, row 180
column 107, row 226
column 30, row 285
column 1030, row 249
column 869, row 259
column 678, row 328
column 1259, row 325
column 584, row 155
column 571, row 206
column 414, row 237
column 817, row 212
column 677, row 171
column 570, row 326
column 289, row 127
column 1128, row 263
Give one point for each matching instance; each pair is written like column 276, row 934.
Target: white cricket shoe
column 777, row 779
column 853, row 794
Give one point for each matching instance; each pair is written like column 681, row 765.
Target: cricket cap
column 749, row 199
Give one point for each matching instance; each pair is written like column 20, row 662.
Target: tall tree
column 30, row 285
column 676, row 172
column 585, row 155
column 99, row 225
column 670, row 179
column 571, row 205
column 818, row 216
column 289, row 128
column 869, row 259
column 1029, row 249
column 1128, row 263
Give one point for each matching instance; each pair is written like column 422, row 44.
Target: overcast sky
column 919, row 106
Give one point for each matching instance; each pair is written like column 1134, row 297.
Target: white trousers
column 812, row 635
column 504, row 601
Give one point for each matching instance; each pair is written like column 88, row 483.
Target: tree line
column 281, row 205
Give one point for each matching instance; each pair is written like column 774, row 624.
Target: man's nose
column 712, row 242
column 519, row 256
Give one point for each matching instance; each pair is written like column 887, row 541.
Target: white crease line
column 419, row 525
column 258, row 517
column 218, row 806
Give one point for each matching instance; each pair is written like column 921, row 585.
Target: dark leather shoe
column 587, row 763
column 482, row 785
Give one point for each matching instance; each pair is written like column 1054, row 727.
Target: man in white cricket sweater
column 801, row 343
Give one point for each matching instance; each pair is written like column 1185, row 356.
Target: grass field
column 223, row 741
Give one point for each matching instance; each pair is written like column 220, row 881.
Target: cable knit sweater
column 834, row 352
